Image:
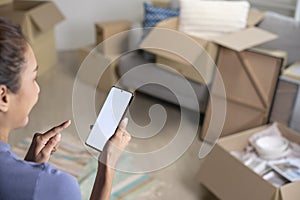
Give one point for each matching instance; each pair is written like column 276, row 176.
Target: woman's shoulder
column 54, row 182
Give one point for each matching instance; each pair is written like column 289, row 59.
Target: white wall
column 77, row 29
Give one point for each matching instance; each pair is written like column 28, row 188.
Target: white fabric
column 209, row 19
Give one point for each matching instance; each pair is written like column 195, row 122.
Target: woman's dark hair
column 12, row 50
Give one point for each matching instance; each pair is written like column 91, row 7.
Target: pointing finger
column 52, row 132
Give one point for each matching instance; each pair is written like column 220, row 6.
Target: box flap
column 171, row 23
column 173, row 42
column 245, row 39
column 25, row 5
column 46, row 16
column 290, row 191
column 254, row 17
column 229, row 179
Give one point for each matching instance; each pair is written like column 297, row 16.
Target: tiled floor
column 55, row 106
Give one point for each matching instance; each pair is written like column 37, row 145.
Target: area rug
column 72, row 157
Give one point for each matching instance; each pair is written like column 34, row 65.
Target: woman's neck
column 4, row 135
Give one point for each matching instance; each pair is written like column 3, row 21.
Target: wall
column 78, row 28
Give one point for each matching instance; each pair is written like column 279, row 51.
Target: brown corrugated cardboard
column 201, row 53
column 229, row 179
column 95, row 62
column 37, row 20
column 45, row 51
column 35, row 17
column 188, row 70
column 237, row 41
column 104, row 33
column 245, row 39
column 3, row 2
column 250, row 78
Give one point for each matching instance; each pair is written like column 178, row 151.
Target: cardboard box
column 230, row 179
column 37, row 20
column 186, row 55
column 3, row 2
column 250, row 75
column 95, row 63
column 238, row 41
column 286, row 108
column 250, row 79
column 105, row 32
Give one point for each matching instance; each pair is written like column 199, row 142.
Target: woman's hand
column 108, row 160
column 116, row 145
column 43, row 145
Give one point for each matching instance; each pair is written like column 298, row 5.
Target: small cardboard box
column 250, row 79
column 94, row 66
column 230, row 179
column 105, row 32
column 3, row 2
column 286, row 108
column 37, row 20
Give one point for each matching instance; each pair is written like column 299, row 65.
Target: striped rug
column 125, row 186
column 72, row 157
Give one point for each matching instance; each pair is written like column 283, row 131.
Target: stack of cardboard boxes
column 250, row 78
column 37, row 20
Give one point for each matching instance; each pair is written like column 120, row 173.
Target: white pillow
column 209, row 19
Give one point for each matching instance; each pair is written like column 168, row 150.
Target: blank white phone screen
column 109, row 117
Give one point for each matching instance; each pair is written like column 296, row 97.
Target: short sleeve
column 55, row 184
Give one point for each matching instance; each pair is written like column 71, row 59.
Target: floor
column 55, row 106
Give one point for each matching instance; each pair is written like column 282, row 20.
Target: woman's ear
column 4, row 98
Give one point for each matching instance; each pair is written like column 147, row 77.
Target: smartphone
column 109, row 118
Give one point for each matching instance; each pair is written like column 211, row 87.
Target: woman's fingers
column 123, row 124
column 51, row 146
column 54, row 131
column 49, row 141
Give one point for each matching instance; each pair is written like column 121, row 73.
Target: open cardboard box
column 37, row 20
column 202, row 55
column 237, row 41
column 229, row 179
column 250, row 75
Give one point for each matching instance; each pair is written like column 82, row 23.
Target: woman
column 34, row 178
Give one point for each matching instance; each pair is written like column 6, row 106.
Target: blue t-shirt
column 22, row 180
